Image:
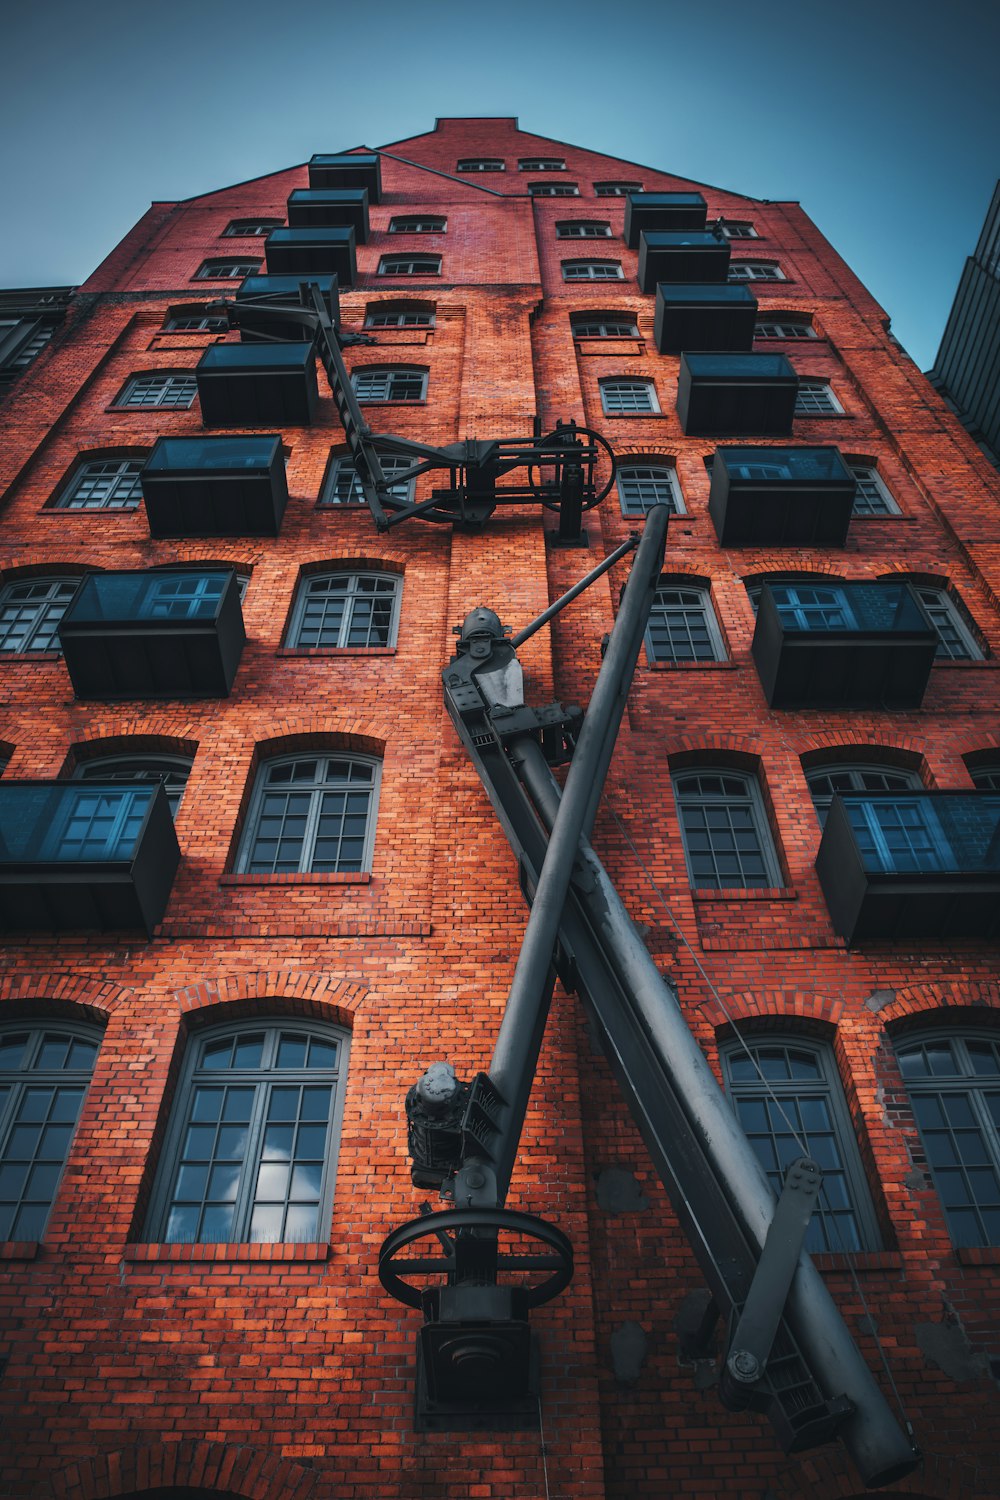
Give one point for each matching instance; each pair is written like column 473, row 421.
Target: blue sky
column 881, row 116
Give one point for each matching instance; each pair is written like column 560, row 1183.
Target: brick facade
column 282, row 1372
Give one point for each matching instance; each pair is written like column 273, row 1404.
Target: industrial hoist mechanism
column 568, row 470
column 787, row 1352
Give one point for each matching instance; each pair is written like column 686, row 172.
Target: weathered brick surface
column 284, row 1373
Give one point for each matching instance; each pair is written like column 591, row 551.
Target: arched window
column 956, row 641
column 400, row 315
column 583, row 229
column 682, row 625
column 418, row 224
column 784, row 326
column 616, row 189
column 30, row 611
column 226, row 270
column 847, row 777
column 251, row 1149
column 110, row 482
column 410, row 265
column 727, row 843
column 603, row 325
column 346, row 609
column 643, row 485
column 953, row 1081
column 553, row 190
column 789, row 1100
column 169, row 390
column 592, row 270
column 311, row 814
column 342, row 485
column 985, row 772
column 172, row 770
column 623, row 396
column 390, row 383
column 44, row 1074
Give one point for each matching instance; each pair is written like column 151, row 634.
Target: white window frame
column 584, row 229
column 592, row 270
column 541, row 164
column 366, row 382
column 342, row 475
column 171, row 390
column 619, row 382
column 616, row 189
column 226, row 269
column 480, row 164
column 749, row 800
column 39, row 603
column 939, row 602
column 755, row 270
column 404, row 314
column 345, row 588
column 738, row 229
column 237, row 229
column 418, row 224
column 787, row 326
column 868, row 476
column 818, row 386
column 109, row 482
column 553, row 190
column 654, row 473
column 410, row 265
column 600, row 325
column 696, row 606
column 314, row 789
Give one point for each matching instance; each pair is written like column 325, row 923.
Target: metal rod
column 578, row 588
column 871, row 1434
column 515, row 1055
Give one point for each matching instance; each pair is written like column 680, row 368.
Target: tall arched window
column 790, row 1103
column 44, row 1074
column 311, row 813
column 727, row 842
column 251, row 1149
column 846, row 777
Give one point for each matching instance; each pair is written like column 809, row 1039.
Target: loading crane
column 476, row 1269
column 568, row 470
column 788, row 1353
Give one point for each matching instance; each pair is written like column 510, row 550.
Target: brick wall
column 283, row 1371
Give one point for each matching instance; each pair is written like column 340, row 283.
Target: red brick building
column 190, row 1304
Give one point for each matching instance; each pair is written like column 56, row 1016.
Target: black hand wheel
column 449, row 1228
column 556, row 442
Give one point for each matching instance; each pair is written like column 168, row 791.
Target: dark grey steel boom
column 788, row 1351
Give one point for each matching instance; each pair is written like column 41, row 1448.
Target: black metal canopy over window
column 215, row 486
column 251, row 1149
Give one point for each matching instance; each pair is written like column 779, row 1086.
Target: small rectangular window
column 226, row 270
column 480, row 164
column 583, row 229
column 410, row 265
column 417, row 224
column 755, row 270
column 240, row 229
column 616, row 189
column 592, row 270
column 553, row 190
column 784, row 328
column 871, row 497
column 816, row 399
column 541, row 164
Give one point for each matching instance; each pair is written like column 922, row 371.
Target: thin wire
column 845, row 1250
column 541, row 1434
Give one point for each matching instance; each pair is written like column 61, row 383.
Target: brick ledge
column 270, row 1251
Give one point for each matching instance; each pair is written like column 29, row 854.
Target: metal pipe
column 872, row 1435
column 515, row 1055
column 578, row 588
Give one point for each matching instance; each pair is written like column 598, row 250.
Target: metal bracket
column 758, row 1323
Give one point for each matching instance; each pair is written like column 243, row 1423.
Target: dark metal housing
column 916, row 866
column 878, row 656
column 85, row 856
column 163, row 633
column 319, row 251
column 736, row 395
column 279, row 290
column 215, row 486
column 681, row 255
column 323, row 207
column 257, row 385
column 662, row 211
column 704, row 315
column 361, row 171
column 781, row 497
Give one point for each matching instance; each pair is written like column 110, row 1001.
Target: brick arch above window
column 60, row 995
column 301, row 992
column 245, row 1472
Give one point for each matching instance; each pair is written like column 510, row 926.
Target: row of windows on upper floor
column 412, row 264
column 584, row 325
column 566, row 229
column 252, row 1128
column 359, row 610
column 621, row 395
column 113, row 482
